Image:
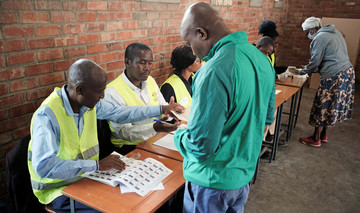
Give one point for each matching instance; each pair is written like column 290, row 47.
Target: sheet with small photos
column 139, row 176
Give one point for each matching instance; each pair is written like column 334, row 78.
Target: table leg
column 291, row 116
column 298, row 106
column 72, row 205
column 276, row 133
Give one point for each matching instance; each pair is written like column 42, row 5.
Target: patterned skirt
column 334, row 99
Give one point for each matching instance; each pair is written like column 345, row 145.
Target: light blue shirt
column 46, row 135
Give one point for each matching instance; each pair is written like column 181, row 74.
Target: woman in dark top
column 180, row 80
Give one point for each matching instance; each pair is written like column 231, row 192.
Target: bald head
column 85, row 71
column 202, row 27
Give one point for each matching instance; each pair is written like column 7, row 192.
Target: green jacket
column 233, row 98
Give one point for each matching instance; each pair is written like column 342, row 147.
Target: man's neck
column 133, row 81
column 73, row 103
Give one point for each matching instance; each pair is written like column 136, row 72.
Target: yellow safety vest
column 272, row 59
column 182, row 95
column 131, row 99
column 71, row 147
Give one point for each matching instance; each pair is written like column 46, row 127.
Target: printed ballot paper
column 140, row 176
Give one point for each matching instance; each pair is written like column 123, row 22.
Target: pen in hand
column 162, row 122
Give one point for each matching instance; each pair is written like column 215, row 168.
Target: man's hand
column 172, row 106
column 159, row 127
column 111, row 162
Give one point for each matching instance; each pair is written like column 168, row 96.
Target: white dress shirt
column 140, row 130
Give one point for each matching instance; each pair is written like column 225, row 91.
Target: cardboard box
column 314, row 81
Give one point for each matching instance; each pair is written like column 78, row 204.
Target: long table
column 149, row 146
column 106, row 198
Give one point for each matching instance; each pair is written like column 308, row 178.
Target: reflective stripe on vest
column 131, row 99
column 181, row 92
column 71, row 147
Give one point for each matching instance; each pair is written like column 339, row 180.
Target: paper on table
column 125, row 189
column 167, row 142
column 183, row 116
column 277, row 91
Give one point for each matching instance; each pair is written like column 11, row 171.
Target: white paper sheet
column 167, row 142
column 277, row 91
column 183, row 116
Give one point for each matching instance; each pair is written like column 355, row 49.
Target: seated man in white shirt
column 135, row 87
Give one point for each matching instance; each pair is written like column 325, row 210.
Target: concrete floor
column 309, row 179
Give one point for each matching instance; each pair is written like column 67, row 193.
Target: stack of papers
column 139, row 176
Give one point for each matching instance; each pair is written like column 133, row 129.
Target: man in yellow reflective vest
column 64, row 133
column 135, row 87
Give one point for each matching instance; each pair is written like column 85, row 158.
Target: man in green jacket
column 233, row 99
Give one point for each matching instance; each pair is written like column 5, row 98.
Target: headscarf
column 311, row 22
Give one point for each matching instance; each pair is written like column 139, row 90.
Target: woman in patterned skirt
column 334, row 99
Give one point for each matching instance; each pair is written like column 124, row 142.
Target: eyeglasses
column 198, row 60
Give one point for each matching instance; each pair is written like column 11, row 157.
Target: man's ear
column 79, row 89
column 127, row 62
column 202, row 33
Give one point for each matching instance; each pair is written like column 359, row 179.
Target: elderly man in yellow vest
column 63, row 131
column 135, row 87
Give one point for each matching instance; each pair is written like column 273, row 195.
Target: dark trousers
column 62, row 205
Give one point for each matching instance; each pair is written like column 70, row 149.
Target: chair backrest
column 104, row 135
column 18, row 179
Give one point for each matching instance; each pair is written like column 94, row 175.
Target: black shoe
column 265, row 153
column 269, row 137
column 283, row 143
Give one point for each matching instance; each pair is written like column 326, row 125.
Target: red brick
column 110, row 76
column 120, row 55
column 7, row 17
column 14, row 123
column 107, row 16
column 4, row 89
column 22, row 109
column 165, row 16
column 154, row 32
column 94, row 58
column 97, row 5
column 132, row 6
column 52, row 78
column 48, row 5
column 5, row 138
column 74, row 5
column 66, row 41
column 17, row 31
column 125, row 35
column 38, row 69
column 95, row 27
column 115, row 65
column 86, row 17
column 16, row 5
column 59, row 17
column 11, row 100
column 140, row 33
column 174, row 23
column 108, row 36
column 2, row 60
column 126, row 15
column 48, row 30
column 39, row 93
column 117, row 6
column 21, row 133
column 103, row 66
column 107, row 57
column 173, row 7
column 170, row 39
column 127, row 43
column 63, row 65
column 23, row 84
column 50, row 54
column 158, row 40
column 115, row 46
column 40, row 43
column 12, row 73
column 131, row 25
column 4, row 114
column 74, row 28
column 115, row 26
column 89, row 38
column 159, row 24
column 74, row 51
column 96, row 48
column 13, row 45
column 34, row 17
column 20, row 58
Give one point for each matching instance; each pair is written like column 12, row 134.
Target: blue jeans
column 202, row 199
column 62, row 205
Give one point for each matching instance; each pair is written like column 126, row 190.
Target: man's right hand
column 172, row 106
column 159, row 127
column 111, row 162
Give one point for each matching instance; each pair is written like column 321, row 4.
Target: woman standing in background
column 334, row 99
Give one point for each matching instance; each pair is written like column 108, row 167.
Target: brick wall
column 40, row 39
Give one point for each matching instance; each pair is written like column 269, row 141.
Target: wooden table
column 149, row 146
column 294, row 82
column 286, row 93
column 106, row 198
